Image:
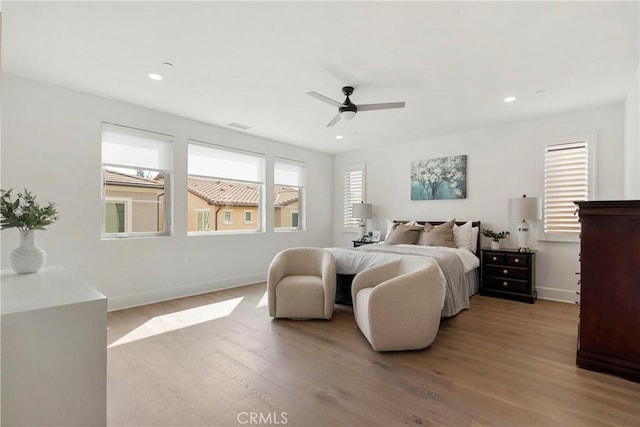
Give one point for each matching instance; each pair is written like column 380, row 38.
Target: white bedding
column 468, row 258
column 455, row 296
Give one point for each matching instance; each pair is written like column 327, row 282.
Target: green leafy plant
column 496, row 237
column 24, row 213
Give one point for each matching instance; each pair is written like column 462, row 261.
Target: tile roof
column 119, row 178
column 232, row 193
column 214, row 191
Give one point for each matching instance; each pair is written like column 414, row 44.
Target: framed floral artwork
column 439, row 178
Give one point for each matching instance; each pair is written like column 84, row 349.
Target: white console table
column 54, row 350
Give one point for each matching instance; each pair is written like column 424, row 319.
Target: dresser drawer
column 493, row 258
column 506, row 271
column 506, row 284
column 516, row 260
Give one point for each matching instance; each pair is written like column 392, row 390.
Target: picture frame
column 439, row 178
column 375, row 236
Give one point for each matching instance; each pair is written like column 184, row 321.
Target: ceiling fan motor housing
column 347, row 105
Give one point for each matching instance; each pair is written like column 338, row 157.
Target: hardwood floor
column 218, row 359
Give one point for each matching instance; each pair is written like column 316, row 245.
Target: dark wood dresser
column 609, row 329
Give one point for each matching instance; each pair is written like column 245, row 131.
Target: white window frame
column 128, row 202
column 202, row 212
column 224, row 216
column 301, row 191
column 589, row 137
column 167, row 158
column 351, row 195
column 259, row 181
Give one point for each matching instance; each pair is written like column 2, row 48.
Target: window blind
column 224, row 163
column 353, row 193
column 286, row 173
column 566, row 179
column 134, row 148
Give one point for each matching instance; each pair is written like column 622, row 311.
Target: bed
column 458, row 266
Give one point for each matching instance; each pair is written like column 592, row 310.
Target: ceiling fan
column 347, row 110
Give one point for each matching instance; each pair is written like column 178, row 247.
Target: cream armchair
column 301, row 283
column 397, row 305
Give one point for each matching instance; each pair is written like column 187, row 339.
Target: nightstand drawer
column 506, row 284
column 493, row 258
column 507, row 271
column 517, row 260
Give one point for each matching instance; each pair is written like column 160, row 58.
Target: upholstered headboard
column 459, row 223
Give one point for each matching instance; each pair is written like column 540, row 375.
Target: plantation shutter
column 353, row 193
column 566, row 180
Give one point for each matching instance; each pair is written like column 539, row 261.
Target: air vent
column 239, row 125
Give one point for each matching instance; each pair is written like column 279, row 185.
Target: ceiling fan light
column 347, row 114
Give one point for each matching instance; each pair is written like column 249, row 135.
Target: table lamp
column 524, row 208
column 362, row 211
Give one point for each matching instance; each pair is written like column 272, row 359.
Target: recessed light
column 510, row 99
column 339, row 137
column 155, row 76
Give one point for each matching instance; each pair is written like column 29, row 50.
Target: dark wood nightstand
column 509, row 273
column 357, row 243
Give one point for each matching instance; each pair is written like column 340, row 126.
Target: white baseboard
column 554, row 294
column 159, row 295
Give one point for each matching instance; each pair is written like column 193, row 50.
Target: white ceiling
column 252, row 63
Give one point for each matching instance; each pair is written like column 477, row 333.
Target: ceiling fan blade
column 383, row 106
column 323, row 98
column 333, row 121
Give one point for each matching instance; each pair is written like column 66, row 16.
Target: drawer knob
column 505, row 284
column 517, row 260
column 505, row 271
column 495, row 258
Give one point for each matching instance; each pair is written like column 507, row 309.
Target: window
column 568, row 178
column 229, row 183
column 136, row 176
column 353, row 191
column 288, row 177
column 228, row 217
column 202, row 219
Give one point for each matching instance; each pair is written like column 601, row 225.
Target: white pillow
column 462, row 235
column 389, row 227
column 474, row 239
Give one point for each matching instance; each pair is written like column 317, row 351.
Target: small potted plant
column 25, row 214
column 495, row 237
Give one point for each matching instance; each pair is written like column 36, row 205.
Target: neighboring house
column 218, row 205
column 132, row 203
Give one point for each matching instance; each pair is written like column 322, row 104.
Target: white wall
column 502, row 162
column 632, row 141
column 51, row 145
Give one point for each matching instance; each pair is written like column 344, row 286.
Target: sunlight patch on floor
column 263, row 300
column 179, row 320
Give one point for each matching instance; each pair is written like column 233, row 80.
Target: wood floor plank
column 217, row 359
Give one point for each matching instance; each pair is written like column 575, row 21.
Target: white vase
column 495, row 245
column 28, row 257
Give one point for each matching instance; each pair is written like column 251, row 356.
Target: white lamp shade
column 362, row 210
column 347, row 115
column 524, row 208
